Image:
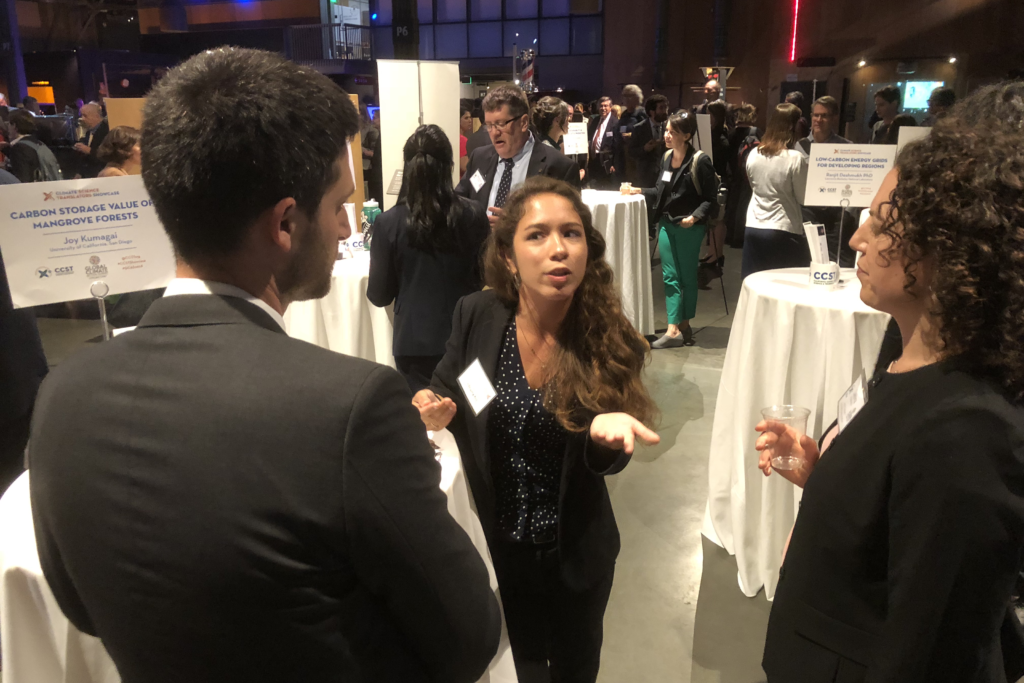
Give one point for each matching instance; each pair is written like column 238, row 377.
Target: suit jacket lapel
column 538, row 160
column 484, row 195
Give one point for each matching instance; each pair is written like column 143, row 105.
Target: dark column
column 405, row 29
column 10, row 53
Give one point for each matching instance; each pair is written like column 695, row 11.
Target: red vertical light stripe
column 796, row 18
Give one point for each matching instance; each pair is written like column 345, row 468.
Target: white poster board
column 575, row 140
column 846, row 175
column 908, row 134
column 405, row 87
column 703, row 142
column 59, row 237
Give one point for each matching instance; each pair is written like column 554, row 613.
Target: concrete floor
column 676, row 614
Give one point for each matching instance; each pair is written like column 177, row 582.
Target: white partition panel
column 405, row 87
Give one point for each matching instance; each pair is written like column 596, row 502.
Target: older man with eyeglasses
column 493, row 172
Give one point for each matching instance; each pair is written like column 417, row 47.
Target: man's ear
column 279, row 223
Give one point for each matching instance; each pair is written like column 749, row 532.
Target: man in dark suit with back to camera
column 219, row 502
column 647, row 146
column 514, row 155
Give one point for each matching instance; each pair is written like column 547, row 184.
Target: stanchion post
column 99, row 290
column 844, row 204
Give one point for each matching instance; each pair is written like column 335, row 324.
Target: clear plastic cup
column 792, row 416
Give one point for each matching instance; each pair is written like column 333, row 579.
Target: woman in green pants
column 682, row 204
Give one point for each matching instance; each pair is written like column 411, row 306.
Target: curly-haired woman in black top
column 910, row 533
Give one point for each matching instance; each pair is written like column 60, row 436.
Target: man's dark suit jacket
column 648, row 164
column 601, row 163
column 91, row 165
column 544, row 161
column 588, row 538
column 908, row 541
column 219, row 502
column 479, row 138
column 425, row 285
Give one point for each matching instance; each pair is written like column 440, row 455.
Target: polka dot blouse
column 527, row 448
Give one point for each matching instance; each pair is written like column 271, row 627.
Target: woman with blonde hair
column 774, row 237
column 121, row 152
column 549, row 342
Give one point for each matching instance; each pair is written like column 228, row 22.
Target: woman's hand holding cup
column 783, row 443
column 435, row 412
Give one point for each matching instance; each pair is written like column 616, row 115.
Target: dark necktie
column 505, row 184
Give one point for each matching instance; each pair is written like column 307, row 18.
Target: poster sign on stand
column 846, row 175
column 60, row 238
column 575, row 140
column 703, row 142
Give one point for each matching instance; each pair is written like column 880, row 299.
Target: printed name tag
column 478, row 389
column 477, row 181
column 852, row 402
column 666, row 177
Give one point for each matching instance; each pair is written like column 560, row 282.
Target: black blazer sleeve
column 24, row 162
column 405, row 547
column 571, row 173
column 709, row 188
column 382, row 287
column 953, row 518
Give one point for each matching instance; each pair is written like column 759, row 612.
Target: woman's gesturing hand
column 620, row 431
column 778, row 440
column 435, row 412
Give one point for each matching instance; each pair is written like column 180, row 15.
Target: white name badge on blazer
column 478, row 389
column 477, row 181
column 852, row 401
column 666, row 177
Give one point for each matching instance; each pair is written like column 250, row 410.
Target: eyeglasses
column 501, row 125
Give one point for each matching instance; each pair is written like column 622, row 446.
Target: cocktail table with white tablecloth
column 622, row 220
column 791, row 343
column 345, row 321
column 40, row 645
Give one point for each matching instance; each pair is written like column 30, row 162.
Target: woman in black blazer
column 565, row 365
column 682, row 214
column 425, row 255
column 910, row 535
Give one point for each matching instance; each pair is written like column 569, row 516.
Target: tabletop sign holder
column 99, row 289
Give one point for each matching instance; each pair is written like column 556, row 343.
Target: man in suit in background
column 603, row 134
column 96, row 129
column 220, row 502
column 480, row 137
column 647, row 145
column 712, row 93
column 514, row 155
column 633, row 115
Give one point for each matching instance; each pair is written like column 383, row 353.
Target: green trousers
column 680, row 254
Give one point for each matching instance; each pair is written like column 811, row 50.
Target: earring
column 517, row 281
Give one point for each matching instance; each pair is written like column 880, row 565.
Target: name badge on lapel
column 478, row 389
column 610, row 134
column 852, row 401
column 477, row 181
column 666, row 177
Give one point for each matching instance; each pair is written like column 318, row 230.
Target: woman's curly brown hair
column 118, row 145
column 598, row 363
column 960, row 202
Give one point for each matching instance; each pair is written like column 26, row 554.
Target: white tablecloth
column 791, row 343
column 623, row 222
column 40, row 645
column 345, row 321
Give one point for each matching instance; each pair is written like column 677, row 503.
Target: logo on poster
column 95, row 269
column 847, row 192
column 43, row 272
column 48, row 197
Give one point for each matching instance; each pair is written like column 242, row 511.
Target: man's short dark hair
column 604, row 99
column 796, row 97
column 653, row 101
column 943, row 96
column 829, row 103
column 511, row 95
column 889, row 93
column 23, row 122
column 224, row 138
column 29, row 101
